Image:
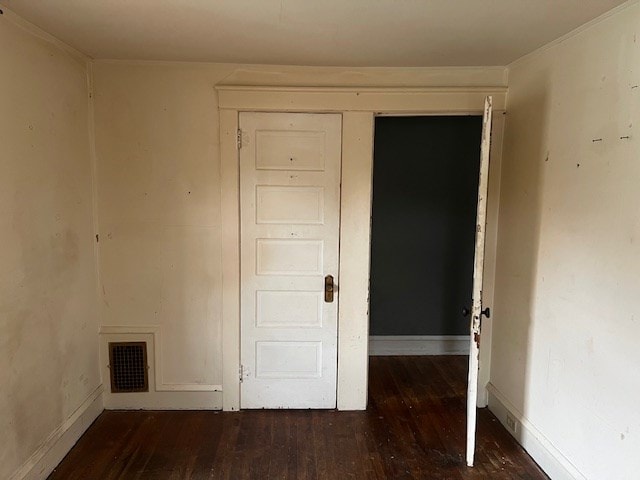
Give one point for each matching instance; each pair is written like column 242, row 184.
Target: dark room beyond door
column 425, row 187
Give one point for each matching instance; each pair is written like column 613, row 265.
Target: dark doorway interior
column 425, row 181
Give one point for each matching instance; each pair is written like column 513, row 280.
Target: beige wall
column 157, row 140
column 567, row 304
column 159, row 212
column 565, row 313
column 48, row 315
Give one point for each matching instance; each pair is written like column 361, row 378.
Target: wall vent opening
column 128, row 367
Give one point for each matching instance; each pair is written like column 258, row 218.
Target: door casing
column 358, row 108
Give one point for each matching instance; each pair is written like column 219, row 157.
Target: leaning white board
column 478, row 270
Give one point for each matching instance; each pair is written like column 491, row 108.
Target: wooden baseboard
column 545, row 454
column 418, row 345
column 63, row 438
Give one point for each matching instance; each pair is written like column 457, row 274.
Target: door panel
column 289, row 309
column 295, row 205
column 289, row 257
column 478, row 272
column 290, row 200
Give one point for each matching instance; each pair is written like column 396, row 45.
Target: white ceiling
column 311, row 32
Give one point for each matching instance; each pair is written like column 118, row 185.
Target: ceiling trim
column 36, row 31
column 576, row 31
column 371, row 99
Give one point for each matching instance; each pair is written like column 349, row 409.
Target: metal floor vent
column 128, row 366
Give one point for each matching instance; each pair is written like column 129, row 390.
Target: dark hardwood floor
column 414, row 428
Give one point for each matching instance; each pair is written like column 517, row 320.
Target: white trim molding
column 546, row 455
column 431, row 100
column 160, row 384
column 161, row 395
column 62, row 439
column 381, row 345
column 358, row 106
column 230, row 213
column 353, row 279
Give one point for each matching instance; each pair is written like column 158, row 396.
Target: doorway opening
column 425, row 200
column 425, row 193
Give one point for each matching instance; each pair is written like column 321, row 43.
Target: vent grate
column 128, row 365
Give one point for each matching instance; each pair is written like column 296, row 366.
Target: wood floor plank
column 414, row 428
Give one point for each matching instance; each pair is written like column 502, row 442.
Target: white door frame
column 358, row 106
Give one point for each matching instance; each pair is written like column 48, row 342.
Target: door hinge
column 241, row 373
column 239, row 139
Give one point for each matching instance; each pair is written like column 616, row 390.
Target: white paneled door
column 290, row 217
column 477, row 311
